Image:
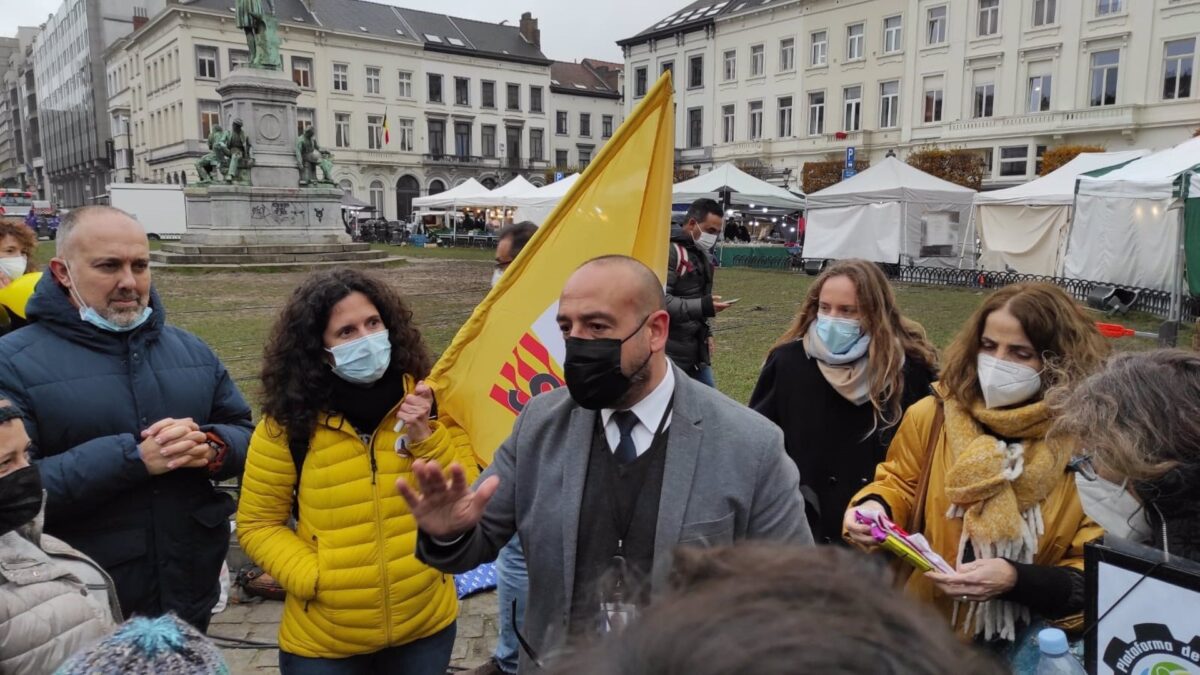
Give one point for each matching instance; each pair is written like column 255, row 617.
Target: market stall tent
column 536, row 205
column 1129, row 223
column 501, row 196
column 454, row 197
column 1024, row 228
column 743, row 189
column 889, row 213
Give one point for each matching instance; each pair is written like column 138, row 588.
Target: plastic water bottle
column 1055, row 658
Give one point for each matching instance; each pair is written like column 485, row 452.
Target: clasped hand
column 171, row 444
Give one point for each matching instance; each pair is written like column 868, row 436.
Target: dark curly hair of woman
column 296, row 376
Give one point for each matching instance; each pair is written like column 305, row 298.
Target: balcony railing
column 1055, row 122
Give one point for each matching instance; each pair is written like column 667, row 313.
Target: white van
column 159, row 208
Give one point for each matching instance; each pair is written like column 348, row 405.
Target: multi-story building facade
column 586, row 108
column 786, row 82
column 11, row 150
column 31, row 172
column 461, row 98
column 72, row 96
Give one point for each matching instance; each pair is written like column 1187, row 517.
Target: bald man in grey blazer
column 603, row 479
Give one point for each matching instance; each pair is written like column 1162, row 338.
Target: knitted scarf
column 846, row 373
column 997, row 488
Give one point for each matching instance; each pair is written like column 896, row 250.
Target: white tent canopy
column 536, row 205
column 453, row 197
column 501, row 196
column 744, row 189
column 1127, row 223
column 889, row 213
column 1024, row 228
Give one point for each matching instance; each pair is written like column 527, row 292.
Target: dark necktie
column 626, row 450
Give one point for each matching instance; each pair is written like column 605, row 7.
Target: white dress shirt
column 649, row 412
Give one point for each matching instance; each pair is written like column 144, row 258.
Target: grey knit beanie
column 162, row 646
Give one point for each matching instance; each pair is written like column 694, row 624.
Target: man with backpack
column 690, row 301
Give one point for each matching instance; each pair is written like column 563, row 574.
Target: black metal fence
column 1147, row 300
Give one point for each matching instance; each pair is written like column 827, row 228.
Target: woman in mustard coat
column 341, row 371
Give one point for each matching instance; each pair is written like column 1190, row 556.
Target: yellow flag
column 511, row 348
column 16, row 295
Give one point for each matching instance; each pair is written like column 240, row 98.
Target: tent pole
column 1176, row 313
column 962, row 249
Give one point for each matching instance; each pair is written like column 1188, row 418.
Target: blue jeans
column 704, row 375
column 512, row 584
column 427, row 656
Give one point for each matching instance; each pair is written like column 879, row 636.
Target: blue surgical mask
column 89, row 315
column 839, row 335
column 364, row 360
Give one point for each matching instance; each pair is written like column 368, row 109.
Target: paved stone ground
column 258, row 620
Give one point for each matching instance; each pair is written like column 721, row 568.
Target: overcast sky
column 571, row 30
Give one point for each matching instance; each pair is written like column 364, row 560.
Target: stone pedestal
column 272, row 221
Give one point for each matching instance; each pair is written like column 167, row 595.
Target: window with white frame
column 341, row 130
column 561, row 123
column 1105, row 68
column 341, row 77
column 374, row 132
column 852, row 108
column 462, row 139
column 405, row 80
column 989, row 17
column 728, row 120
column 816, row 113
column 639, row 82
column 537, row 145
column 302, row 72
column 696, row 71
column 893, row 34
column 514, row 96
column 785, row 116
column 730, row 65
column 376, row 195
column 535, row 99
column 695, row 127
column 757, row 60
column 462, row 91
column 433, row 85
column 305, row 117
column 983, row 104
column 1106, row 7
column 787, row 55
column 1014, row 160
column 487, row 94
column 854, row 42
column 819, row 53
column 755, row 118
column 889, row 104
column 1045, row 12
column 935, row 25
column 437, row 137
column 606, row 126
column 1040, row 81
column 238, row 58
column 408, row 134
column 373, row 86
column 487, row 138
column 585, row 124
column 206, row 63
column 210, row 116
column 1178, row 57
column 934, row 91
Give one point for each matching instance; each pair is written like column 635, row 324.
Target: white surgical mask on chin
column 1005, row 383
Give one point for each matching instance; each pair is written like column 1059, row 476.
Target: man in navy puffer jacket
column 131, row 420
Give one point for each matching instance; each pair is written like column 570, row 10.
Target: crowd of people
column 636, row 495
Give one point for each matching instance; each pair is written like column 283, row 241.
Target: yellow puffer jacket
column 353, row 582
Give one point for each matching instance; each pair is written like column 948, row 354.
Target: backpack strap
column 683, row 263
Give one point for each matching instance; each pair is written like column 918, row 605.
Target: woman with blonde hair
column 838, row 383
column 972, row 469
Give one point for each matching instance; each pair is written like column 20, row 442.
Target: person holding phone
column 972, row 469
column 838, row 382
column 690, row 300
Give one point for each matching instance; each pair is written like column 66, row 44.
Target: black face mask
column 20, row 498
column 593, row 370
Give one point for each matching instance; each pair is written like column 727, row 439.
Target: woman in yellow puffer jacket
column 341, row 370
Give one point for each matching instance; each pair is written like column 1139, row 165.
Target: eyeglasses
column 1082, row 465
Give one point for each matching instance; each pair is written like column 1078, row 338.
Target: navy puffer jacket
column 87, row 394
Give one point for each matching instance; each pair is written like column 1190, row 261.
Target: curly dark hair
column 295, row 375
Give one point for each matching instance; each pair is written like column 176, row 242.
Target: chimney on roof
column 139, row 17
column 529, row 30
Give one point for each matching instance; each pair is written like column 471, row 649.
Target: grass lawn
column 234, row 311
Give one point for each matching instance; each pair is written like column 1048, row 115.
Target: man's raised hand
column 445, row 507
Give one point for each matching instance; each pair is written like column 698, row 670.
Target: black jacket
column 689, row 302
column 87, row 394
column 826, row 435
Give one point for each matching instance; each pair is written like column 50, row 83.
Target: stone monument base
column 283, row 256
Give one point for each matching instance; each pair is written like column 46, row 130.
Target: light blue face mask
column 364, row 360
column 93, row 317
column 839, row 335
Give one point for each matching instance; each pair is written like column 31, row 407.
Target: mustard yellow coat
column 1067, row 527
column 354, row 585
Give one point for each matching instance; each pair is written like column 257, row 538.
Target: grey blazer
column 727, row 478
